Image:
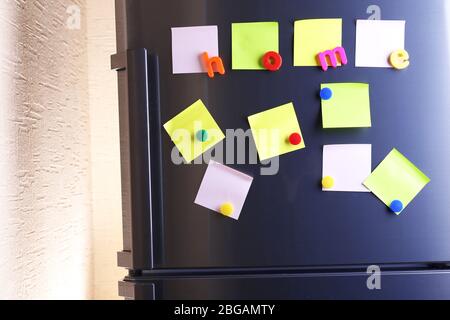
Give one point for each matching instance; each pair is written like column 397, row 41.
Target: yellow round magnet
column 399, row 59
column 327, row 182
column 227, row 209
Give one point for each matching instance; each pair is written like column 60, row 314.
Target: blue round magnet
column 326, row 93
column 396, row 206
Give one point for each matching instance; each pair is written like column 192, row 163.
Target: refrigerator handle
column 140, row 152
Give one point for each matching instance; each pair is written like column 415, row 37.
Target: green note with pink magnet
column 396, row 181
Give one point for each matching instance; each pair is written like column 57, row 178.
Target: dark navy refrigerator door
column 287, row 221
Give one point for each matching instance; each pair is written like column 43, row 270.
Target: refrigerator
column 292, row 240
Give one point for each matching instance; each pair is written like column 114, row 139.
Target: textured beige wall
column 105, row 149
column 59, row 154
column 45, row 222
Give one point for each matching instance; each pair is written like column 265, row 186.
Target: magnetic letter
column 332, row 55
column 210, row 62
column 399, row 59
column 272, row 61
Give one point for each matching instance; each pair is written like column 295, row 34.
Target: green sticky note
column 194, row 131
column 348, row 107
column 272, row 129
column 314, row 36
column 250, row 42
column 396, row 178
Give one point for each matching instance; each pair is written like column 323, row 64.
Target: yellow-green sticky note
column 250, row 42
column 314, row 36
column 272, row 130
column 348, row 106
column 184, row 130
column 396, row 178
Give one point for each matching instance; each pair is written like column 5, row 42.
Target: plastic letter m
column 332, row 56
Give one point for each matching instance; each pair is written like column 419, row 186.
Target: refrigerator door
column 287, row 220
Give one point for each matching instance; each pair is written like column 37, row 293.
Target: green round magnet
column 202, row 135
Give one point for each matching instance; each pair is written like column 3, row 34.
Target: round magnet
column 272, row 61
column 326, row 94
column 227, row 209
column 295, row 139
column 396, row 206
column 202, row 135
column 327, row 182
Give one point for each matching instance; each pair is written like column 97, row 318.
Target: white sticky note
column 349, row 165
column 189, row 43
column 376, row 40
column 222, row 184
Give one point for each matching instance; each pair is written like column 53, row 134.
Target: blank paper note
column 222, row 184
column 348, row 164
column 189, row 43
column 396, row 178
column 314, row 36
column 348, row 106
column 271, row 130
column 376, row 40
column 250, row 42
column 184, row 127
